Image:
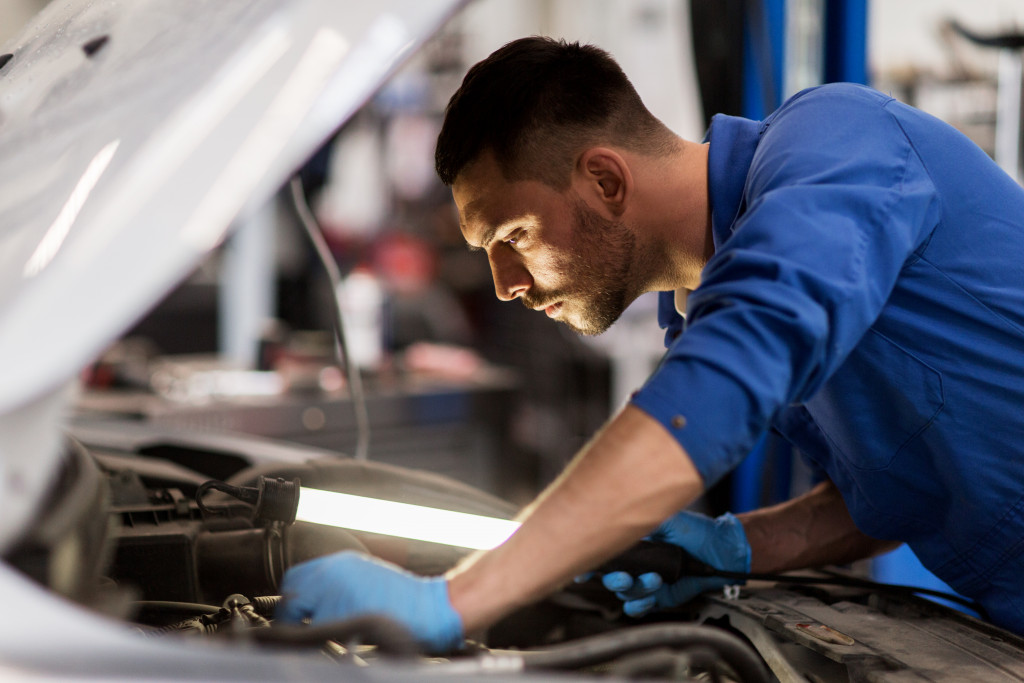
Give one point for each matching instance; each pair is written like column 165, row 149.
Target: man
column 850, row 273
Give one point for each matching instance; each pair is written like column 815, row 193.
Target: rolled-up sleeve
column 836, row 201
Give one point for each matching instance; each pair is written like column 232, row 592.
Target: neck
column 674, row 217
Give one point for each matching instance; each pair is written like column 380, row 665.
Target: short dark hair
column 535, row 104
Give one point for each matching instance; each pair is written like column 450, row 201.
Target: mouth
column 552, row 309
column 546, row 303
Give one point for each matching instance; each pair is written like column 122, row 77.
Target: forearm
column 812, row 530
column 628, row 479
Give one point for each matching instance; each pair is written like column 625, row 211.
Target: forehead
column 487, row 201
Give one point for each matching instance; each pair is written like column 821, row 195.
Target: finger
column 583, row 578
column 639, row 607
column 299, row 593
column 292, row 609
column 643, row 585
column 617, row 581
column 650, row 582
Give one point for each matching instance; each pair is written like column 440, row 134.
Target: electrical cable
column 673, row 562
column 246, row 494
column 274, row 553
column 836, row 579
column 323, row 251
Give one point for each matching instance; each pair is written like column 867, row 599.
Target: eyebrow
column 487, row 239
column 488, row 235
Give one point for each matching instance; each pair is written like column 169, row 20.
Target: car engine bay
column 127, row 536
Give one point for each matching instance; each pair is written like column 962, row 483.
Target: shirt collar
column 733, row 143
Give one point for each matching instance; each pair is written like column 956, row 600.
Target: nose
column 511, row 278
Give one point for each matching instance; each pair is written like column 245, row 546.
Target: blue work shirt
column 865, row 300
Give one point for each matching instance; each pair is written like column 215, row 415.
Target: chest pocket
column 877, row 403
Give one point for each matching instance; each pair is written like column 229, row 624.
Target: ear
column 603, row 175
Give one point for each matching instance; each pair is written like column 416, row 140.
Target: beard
column 596, row 272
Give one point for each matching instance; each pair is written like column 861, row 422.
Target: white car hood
column 133, row 133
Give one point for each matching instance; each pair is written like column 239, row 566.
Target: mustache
column 541, row 299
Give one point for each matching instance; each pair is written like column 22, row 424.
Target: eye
column 514, row 239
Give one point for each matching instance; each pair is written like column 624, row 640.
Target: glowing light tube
column 402, row 519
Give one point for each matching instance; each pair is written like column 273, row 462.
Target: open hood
column 133, row 133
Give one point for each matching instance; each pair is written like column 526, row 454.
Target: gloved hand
column 349, row 584
column 719, row 542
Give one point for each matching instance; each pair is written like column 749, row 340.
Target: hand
column 349, row 584
column 719, row 542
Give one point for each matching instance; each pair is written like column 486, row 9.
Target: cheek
column 566, row 270
column 548, row 263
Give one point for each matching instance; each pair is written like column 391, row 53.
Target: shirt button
column 678, row 421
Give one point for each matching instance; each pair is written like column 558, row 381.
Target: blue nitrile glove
column 719, row 542
column 349, row 584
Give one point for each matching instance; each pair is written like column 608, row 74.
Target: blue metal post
column 846, row 41
column 764, row 50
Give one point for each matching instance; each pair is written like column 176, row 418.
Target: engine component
column 187, row 566
column 272, row 499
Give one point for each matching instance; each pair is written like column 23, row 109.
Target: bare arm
column 811, row 530
column 627, row 480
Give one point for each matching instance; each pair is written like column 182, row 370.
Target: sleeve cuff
column 705, row 412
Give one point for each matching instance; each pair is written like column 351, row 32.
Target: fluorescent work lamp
column 416, row 522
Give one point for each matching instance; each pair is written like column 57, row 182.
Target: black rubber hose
column 191, row 609
column 266, row 605
column 670, row 664
column 736, row 653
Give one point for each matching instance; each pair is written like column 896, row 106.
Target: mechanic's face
column 546, row 247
